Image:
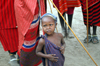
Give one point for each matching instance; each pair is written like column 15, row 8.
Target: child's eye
column 44, row 25
column 51, row 24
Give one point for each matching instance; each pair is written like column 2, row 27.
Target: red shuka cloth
column 7, row 14
column 8, row 30
column 9, row 39
column 24, row 11
column 93, row 13
column 63, row 5
column 90, row 3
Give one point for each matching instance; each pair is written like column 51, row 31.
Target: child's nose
column 48, row 27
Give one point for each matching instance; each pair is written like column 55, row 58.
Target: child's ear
column 56, row 24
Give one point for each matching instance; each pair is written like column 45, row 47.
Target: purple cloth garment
column 53, row 49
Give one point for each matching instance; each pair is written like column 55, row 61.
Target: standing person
column 8, row 28
column 52, row 44
column 66, row 6
column 94, row 18
column 27, row 15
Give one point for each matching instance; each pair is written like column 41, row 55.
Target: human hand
column 52, row 57
column 62, row 49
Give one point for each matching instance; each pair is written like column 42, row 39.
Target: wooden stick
column 87, row 21
column 74, row 33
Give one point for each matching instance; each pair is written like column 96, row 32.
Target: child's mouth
column 48, row 31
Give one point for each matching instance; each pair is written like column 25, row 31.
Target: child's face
column 48, row 25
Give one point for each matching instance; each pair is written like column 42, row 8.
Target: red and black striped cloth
column 94, row 13
column 90, row 3
column 8, row 30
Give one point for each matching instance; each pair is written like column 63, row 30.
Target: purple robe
column 53, row 49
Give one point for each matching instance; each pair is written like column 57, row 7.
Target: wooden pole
column 74, row 34
column 87, row 21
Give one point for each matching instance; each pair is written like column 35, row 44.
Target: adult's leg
column 89, row 30
column 70, row 16
column 62, row 23
column 94, row 30
column 89, row 35
column 12, row 54
column 70, row 20
column 94, row 36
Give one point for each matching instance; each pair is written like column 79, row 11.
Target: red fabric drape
column 24, row 11
column 90, row 3
column 63, row 5
column 8, row 30
column 7, row 14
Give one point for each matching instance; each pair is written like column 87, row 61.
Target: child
column 52, row 44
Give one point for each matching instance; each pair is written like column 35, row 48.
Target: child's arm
column 39, row 48
column 63, row 44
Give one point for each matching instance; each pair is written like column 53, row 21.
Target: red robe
column 8, row 26
column 24, row 10
column 93, row 12
column 63, row 5
column 7, row 14
column 90, row 3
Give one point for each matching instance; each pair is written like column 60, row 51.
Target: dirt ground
column 74, row 54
